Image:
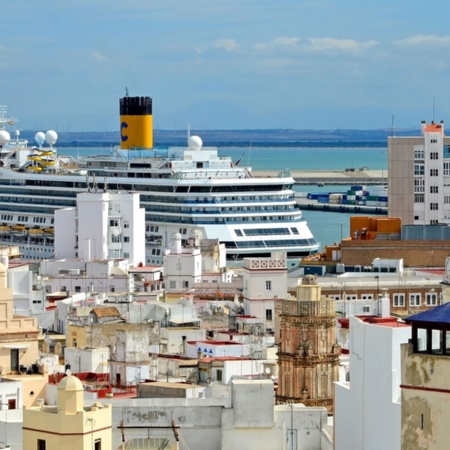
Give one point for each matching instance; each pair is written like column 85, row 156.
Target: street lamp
column 378, row 286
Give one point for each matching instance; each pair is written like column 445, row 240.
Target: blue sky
column 315, row 64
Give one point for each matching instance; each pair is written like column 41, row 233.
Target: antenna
column 433, row 107
column 126, row 91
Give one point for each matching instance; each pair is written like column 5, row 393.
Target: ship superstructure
column 183, row 189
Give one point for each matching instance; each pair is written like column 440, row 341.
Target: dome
column 70, row 383
column 4, row 137
column 195, row 143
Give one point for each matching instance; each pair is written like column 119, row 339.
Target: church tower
column 308, row 357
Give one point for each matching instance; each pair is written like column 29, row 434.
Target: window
column 269, row 314
column 172, row 284
column 41, row 444
column 113, row 223
column 446, row 198
column 434, row 172
column 77, row 288
column 419, row 169
column 419, row 185
column 419, row 154
column 434, row 155
column 219, row 374
column 414, row 299
column 115, row 238
column 434, row 206
column 367, row 297
column 447, row 168
column 434, row 189
column 126, row 239
column 431, row 299
column 268, row 285
column 399, row 300
column 419, row 198
column 98, row 444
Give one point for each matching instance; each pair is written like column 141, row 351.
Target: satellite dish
column 51, row 137
column 4, row 137
column 39, row 137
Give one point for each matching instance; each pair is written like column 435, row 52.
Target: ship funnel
column 136, row 123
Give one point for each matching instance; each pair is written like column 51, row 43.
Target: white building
column 196, row 349
column 92, row 277
column 87, row 359
column 182, row 265
column 419, row 176
column 265, row 280
column 103, row 225
column 367, row 409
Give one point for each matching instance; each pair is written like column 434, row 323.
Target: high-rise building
column 308, row 357
column 419, row 175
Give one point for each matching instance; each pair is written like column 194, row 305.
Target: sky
column 234, row 64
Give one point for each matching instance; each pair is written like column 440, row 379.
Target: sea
column 327, row 227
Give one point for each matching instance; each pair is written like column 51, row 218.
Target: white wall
column 367, row 409
column 87, row 359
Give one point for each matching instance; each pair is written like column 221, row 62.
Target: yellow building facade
column 69, row 425
column 18, row 334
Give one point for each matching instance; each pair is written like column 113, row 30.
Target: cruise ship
column 183, row 190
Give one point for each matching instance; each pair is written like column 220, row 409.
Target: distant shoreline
column 93, row 144
column 238, row 138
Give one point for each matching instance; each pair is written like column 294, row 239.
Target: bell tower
column 308, row 357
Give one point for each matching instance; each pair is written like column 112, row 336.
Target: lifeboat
column 5, row 229
column 18, row 230
column 50, row 231
column 36, row 231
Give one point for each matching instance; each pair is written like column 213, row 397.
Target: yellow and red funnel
column 136, row 123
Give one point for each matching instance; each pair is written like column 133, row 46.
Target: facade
column 367, row 410
column 308, row 359
column 182, row 265
column 103, row 225
column 419, row 171
column 407, row 293
column 265, row 280
column 18, row 334
column 69, row 425
column 425, row 395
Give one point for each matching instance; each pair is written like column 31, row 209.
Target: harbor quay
column 334, row 177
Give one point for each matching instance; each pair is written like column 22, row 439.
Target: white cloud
column 98, row 57
column 226, row 44
column 316, row 44
column 424, row 39
column 283, row 41
column 343, row 45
